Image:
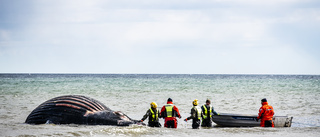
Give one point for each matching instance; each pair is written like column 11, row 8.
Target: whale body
column 77, row 109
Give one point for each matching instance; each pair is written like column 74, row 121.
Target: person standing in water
column 207, row 110
column 266, row 113
column 169, row 112
column 196, row 114
column 153, row 114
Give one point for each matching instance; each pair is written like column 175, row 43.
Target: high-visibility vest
column 206, row 111
column 169, row 109
column 154, row 114
column 198, row 109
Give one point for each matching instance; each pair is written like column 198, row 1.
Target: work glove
column 186, row 119
column 141, row 120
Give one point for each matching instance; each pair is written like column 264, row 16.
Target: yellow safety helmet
column 195, row 102
column 153, row 104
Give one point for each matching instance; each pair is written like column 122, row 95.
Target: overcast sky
column 160, row 36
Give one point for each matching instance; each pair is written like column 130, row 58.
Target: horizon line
column 88, row 73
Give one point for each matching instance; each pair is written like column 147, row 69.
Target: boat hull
column 241, row 120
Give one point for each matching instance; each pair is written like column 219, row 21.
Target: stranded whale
column 77, row 109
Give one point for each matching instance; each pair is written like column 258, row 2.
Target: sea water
column 293, row 95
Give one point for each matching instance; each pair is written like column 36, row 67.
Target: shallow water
column 292, row 95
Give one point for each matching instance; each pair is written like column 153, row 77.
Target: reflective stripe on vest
column 198, row 109
column 154, row 115
column 206, row 111
column 169, row 110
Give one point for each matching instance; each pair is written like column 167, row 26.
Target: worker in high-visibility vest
column 153, row 113
column 207, row 110
column 169, row 112
column 196, row 114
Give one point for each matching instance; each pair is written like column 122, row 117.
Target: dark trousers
column 268, row 123
column 195, row 123
column 206, row 123
column 154, row 124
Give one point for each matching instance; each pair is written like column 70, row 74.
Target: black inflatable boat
column 242, row 120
